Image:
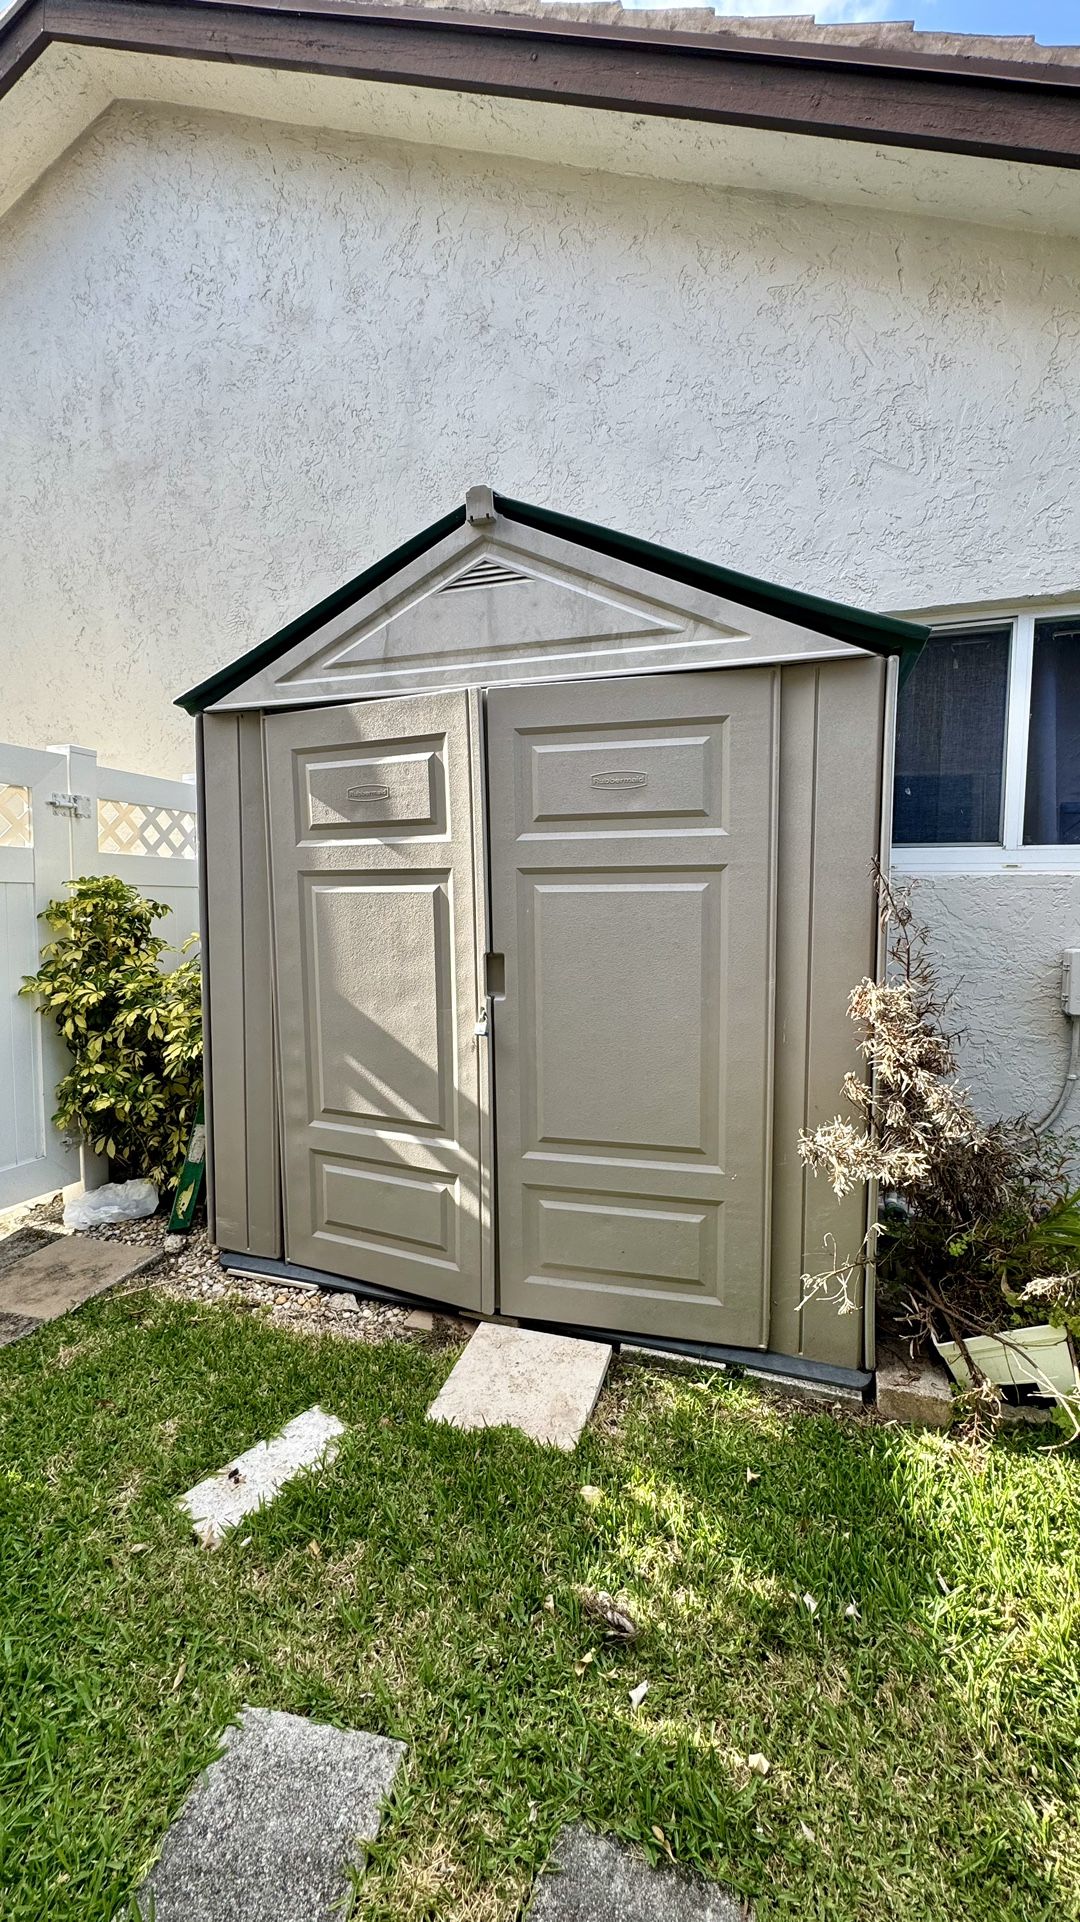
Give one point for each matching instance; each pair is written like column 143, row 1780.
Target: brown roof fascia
column 549, row 22
column 22, row 39
column 995, row 110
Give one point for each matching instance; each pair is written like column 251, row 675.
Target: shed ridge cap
column 875, row 633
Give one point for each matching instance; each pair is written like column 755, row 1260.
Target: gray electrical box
column 1070, row 981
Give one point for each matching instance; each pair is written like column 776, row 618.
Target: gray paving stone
column 271, row 1828
column 591, row 1878
column 65, row 1272
column 261, row 1472
column 23, row 1241
column 546, row 1385
column 14, row 1327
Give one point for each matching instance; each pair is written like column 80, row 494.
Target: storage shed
column 536, row 867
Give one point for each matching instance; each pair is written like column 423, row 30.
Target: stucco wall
column 238, row 362
column 999, row 938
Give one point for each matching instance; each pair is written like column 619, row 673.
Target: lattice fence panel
column 16, row 823
column 128, row 827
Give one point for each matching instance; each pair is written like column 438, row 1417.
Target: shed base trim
column 797, row 1368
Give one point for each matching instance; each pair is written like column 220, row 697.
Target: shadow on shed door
column 379, row 923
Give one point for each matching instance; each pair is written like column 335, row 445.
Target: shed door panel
column 632, row 827
column 378, row 920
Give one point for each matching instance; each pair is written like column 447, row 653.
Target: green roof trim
column 876, row 633
column 228, row 679
column 879, row 633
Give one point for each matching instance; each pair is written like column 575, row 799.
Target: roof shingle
column 901, row 37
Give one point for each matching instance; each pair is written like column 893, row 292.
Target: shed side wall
column 830, row 823
column 242, row 1097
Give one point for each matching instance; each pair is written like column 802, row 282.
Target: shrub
column 135, row 1031
column 981, row 1225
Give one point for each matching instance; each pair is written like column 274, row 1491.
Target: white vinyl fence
column 61, row 815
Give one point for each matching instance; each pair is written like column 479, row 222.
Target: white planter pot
column 1036, row 1360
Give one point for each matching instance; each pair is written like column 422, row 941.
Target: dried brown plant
column 974, row 1212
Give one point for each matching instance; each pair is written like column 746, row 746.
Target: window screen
column 1052, row 794
column 950, row 740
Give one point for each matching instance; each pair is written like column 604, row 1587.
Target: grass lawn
column 924, row 1751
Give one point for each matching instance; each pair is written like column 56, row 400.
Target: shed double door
column 622, row 1087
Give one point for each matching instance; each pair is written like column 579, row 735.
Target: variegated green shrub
column 133, row 1028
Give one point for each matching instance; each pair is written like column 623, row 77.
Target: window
column 987, row 771
column 950, row 741
column 1052, row 799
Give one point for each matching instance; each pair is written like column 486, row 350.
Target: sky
column 1051, row 21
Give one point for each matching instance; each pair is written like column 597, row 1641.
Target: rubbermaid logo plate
column 620, row 780
column 376, row 791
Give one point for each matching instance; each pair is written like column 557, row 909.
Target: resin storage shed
column 537, row 874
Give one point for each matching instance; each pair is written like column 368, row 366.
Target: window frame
column 1009, row 855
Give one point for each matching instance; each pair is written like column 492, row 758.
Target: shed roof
column 875, row 633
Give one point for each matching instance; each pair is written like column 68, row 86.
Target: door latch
column 481, row 1027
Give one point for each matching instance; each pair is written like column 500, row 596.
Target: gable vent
column 485, row 573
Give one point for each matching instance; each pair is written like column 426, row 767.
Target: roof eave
column 992, row 109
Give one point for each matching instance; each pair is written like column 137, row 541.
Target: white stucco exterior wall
column 998, row 939
column 239, row 361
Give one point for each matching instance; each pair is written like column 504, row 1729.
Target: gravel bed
column 194, row 1273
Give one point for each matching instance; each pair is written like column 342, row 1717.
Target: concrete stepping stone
column 546, row 1385
column 215, row 1505
column 66, row 1271
column 14, row 1327
column 271, row 1828
column 23, row 1241
column 591, row 1878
